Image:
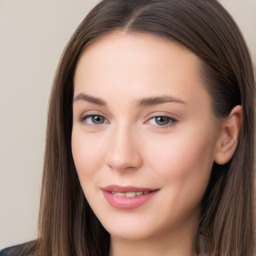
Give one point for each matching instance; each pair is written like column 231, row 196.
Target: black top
column 18, row 250
column 11, row 251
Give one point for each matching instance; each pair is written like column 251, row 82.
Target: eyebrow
column 160, row 100
column 91, row 99
column 151, row 101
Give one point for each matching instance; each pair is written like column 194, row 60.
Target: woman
column 150, row 140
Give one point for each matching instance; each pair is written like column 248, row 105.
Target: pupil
column 98, row 119
column 162, row 120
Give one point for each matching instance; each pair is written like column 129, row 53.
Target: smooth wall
column 33, row 34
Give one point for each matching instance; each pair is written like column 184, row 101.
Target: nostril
column 124, row 152
column 124, row 160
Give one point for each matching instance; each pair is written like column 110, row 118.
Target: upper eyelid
column 172, row 122
column 163, row 114
column 149, row 116
column 84, row 116
column 170, row 118
column 93, row 112
column 84, row 120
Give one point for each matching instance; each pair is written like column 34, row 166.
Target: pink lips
column 115, row 196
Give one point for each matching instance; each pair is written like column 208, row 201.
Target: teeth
column 130, row 194
column 119, row 194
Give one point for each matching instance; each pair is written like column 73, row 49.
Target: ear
column 229, row 134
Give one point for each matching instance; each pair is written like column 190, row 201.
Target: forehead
column 131, row 48
column 138, row 64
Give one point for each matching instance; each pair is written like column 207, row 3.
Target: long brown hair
column 67, row 225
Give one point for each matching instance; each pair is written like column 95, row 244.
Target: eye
column 93, row 119
column 162, row 121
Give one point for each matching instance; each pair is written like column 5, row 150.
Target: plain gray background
column 33, row 34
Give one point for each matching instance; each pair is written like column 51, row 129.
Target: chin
column 130, row 226
column 130, row 233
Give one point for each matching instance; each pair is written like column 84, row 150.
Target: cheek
column 184, row 168
column 86, row 151
column 184, row 159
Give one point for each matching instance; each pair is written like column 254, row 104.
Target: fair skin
column 143, row 118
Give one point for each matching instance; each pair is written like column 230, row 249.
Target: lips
column 127, row 197
column 130, row 194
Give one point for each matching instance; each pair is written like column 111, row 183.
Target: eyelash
column 170, row 121
column 86, row 117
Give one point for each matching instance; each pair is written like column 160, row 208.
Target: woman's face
column 144, row 135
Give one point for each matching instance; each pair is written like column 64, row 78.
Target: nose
column 124, row 151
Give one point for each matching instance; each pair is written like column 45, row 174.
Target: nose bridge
column 124, row 151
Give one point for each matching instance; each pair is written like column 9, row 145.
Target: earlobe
column 229, row 134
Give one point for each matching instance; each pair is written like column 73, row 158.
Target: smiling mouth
column 127, row 197
column 128, row 191
column 131, row 194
